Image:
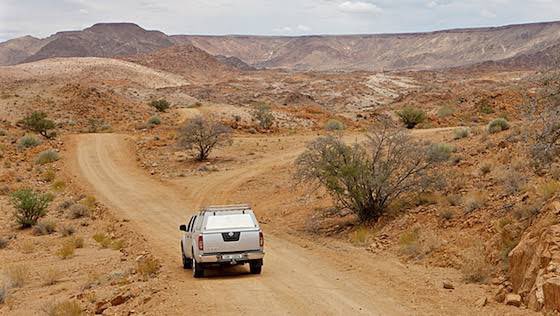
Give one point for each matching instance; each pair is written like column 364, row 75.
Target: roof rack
column 232, row 207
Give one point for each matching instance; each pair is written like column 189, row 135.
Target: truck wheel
column 197, row 269
column 255, row 266
column 187, row 262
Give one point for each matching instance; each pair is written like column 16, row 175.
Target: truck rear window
column 230, row 221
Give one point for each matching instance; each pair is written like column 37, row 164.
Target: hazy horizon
column 270, row 18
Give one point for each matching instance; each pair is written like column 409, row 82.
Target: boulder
column 513, row 300
column 534, row 268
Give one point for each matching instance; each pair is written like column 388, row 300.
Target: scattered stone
column 513, row 300
column 448, row 285
column 481, row 302
column 100, row 307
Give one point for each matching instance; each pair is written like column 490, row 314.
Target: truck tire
column 197, row 269
column 187, row 262
column 255, row 266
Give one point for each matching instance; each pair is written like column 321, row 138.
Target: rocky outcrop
column 534, row 264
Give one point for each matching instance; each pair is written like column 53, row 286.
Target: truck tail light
column 200, row 243
column 261, row 239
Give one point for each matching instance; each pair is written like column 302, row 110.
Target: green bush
column 498, row 125
column 29, row 206
column 461, row 132
column 47, row 156
column 411, row 116
column 485, row 107
column 154, row 120
column 263, row 115
column 38, row 122
column 334, row 125
column 161, row 105
column 28, row 141
column 440, row 152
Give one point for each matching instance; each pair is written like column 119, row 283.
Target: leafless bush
column 366, row 178
column 78, row 211
column 202, row 135
column 45, row 227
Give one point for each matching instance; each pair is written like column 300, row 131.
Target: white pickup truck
column 222, row 235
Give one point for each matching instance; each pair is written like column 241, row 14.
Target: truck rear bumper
column 239, row 257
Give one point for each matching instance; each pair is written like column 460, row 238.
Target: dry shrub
column 45, row 227
column 117, row 244
column 78, row 242
column 147, row 266
column 58, row 185
column 93, row 279
column 462, row 132
column 549, row 189
column 498, row 125
column 67, row 230
column 447, row 215
column 417, row 244
column 454, row 199
column 27, row 247
column 66, row 250
column 89, row 201
column 360, row 236
column 51, row 276
column 513, row 181
column 485, row 168
column 48, row 175
column 65, row 308
column 475, row 268
column 103, row 240
column 474, row 201
column 78, row 211
column 16, row 275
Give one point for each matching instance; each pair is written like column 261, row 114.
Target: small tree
column 202, row 135
column 411, row 116
column 334, row 125
column 29, row 206
column 367, row 178
column 38, row 122
column 264, row 116
column 161, row 105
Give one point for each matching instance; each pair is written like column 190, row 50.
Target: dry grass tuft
column 475, row 268
column 51, row 276
column 549, row 189
column 65, row 308
column 360, row 236
column 147, row 267
column 27, row 247
column 66, row 250
column 474, row 201
column 16, row 275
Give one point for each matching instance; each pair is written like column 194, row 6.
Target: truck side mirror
column 183, row 228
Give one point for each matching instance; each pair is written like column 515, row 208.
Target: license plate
column 232, row 257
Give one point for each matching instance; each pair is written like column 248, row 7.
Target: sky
column 41, row 18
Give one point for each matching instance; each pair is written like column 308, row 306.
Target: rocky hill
column 19, row 49
column 412, row 51
column 100, row 40
column 433, row 50
column 186, row 60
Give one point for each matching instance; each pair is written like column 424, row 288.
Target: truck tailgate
column 231, row 241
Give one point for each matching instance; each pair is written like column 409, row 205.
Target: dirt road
column 321, row 279
column 293, row 281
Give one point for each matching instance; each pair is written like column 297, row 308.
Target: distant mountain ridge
column 520, row 44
